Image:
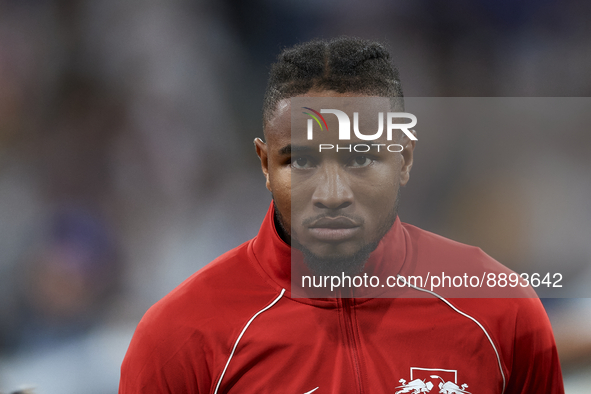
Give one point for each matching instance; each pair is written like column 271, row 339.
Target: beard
column 351, row 264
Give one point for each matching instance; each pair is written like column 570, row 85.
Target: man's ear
column 407, row 157
column 261, row 149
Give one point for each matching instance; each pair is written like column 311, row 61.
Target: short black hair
column 343, row 64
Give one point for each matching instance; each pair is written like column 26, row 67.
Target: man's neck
column 280, row 228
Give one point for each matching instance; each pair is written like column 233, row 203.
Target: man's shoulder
column 440, row 251
column 199, row 318
column 483, row 290
column 216, row 300
column 449, row 262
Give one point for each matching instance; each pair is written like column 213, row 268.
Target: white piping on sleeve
column 469, row 317
column 240, row 337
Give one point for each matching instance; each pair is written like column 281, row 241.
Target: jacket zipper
column 346, row 304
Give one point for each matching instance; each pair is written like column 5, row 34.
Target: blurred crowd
column 127, row 164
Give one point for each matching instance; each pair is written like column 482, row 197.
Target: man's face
column 334, row 205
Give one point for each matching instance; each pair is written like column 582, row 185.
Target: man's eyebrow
column 289, row 149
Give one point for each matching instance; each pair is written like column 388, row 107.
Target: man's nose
column 333, row 190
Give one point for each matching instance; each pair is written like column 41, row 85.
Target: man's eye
column 301, row 162
column 360, row 161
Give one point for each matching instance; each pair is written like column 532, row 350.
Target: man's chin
column 337, row 264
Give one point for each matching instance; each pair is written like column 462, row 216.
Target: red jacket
column 233, row 327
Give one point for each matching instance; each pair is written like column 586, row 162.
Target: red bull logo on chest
column 426, row 380
column 414, row 386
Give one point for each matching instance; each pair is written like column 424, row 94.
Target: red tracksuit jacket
column 233, row 327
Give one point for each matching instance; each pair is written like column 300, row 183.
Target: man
column 244, row 325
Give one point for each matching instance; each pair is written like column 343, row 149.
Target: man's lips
column 333, row 229
column 334, row 223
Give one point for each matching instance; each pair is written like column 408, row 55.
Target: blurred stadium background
column 126, row 157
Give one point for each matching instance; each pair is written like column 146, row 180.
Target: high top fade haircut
column 344, row 64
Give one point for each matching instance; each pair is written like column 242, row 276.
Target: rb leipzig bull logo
column 423, row 380
column 450, row 387
column 416, row 386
